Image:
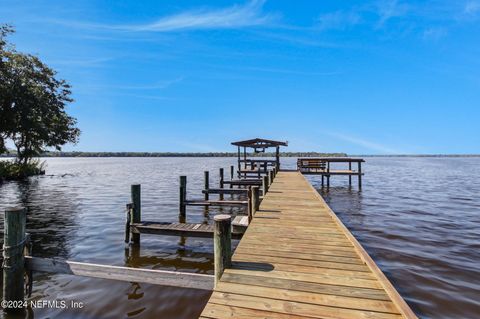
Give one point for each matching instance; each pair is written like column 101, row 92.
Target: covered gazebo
column 258, row 145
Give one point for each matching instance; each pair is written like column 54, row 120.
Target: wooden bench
column 311, row 164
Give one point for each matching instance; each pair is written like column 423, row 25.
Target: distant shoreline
column 228, row 154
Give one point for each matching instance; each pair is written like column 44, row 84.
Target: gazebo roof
column 259, row 143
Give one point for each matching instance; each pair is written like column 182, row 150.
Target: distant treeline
column 225, row 154
column 175, row 154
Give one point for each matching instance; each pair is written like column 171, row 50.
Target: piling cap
column 222, row 217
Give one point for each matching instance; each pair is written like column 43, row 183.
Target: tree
column 32, row 104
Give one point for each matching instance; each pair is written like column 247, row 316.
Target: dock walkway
column 297, row 260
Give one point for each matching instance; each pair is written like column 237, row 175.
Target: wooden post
column 183, row 197
column 127, row 223
column 232, row 173
column 14, row 240
column 328, row 176
column 249, row 205
column 136, row 210
column 270, row 178
column 323, row 180
column 359, row 175
column 264, row 185
column 277, row 156
column 207, row 183
column 255, row 199
column 221, row 183
column 239, row 164
column 350, row 175
column 245, row 157
column 222, row 242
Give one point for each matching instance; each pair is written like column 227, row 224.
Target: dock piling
column 128, row 222
column 255, row 199
column 207, row 183
column 350, row 176
column 264, row 185
column 183, row 197
column 359, row 175
column 232, row 173
column 222, row 242
column 221, row 183
column 136, row 216
column 250, row 205
column 14, row 241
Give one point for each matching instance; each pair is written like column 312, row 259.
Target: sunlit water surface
column 419, row 218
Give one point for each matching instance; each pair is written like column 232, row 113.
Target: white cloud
column 366, row 144
column 234, row 17
column 338, row 20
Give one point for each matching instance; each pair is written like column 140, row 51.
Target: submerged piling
column 14, row 241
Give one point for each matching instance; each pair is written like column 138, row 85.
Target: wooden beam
column 149, row 276
column 216, row 202
column 240, row 191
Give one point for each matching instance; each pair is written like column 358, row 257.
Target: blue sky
column 362, row 77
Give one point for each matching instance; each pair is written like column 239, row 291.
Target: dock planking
column 297, row 260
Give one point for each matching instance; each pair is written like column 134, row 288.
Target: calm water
column 419, row 218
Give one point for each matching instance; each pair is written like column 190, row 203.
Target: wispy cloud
column 472, row 8
column 372, row 146
column 153, row 86
column 389, row 9
column 434, row 33
column 237, row 16
column 338, row 20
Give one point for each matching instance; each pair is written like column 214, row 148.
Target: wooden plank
column 177, row 229
column 201, row 202
column 314, row 298
column 149, row 276
column 298, row 308
column 215, row 311
column 354, row 292
column 339, row 280
column 239, row 191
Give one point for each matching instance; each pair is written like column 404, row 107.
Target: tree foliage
column 32, row 104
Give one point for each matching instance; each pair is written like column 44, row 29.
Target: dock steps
column 240, row 224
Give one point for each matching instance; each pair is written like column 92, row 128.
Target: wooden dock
column 297, row 260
